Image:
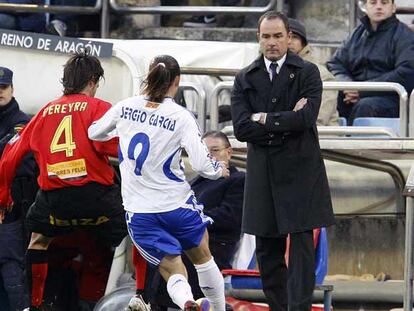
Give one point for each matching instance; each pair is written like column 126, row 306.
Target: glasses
column 216, row 149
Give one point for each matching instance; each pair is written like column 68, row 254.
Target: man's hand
column 300, row 104
column 259, row 117
column 226, row 172
column 351, row 97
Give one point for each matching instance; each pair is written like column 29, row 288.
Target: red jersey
column 58, row 138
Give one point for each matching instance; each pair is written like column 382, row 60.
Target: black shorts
column 93, row 207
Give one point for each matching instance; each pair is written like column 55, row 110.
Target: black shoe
column 201, row 21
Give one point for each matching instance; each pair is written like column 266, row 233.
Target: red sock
column 39, row 274
column 36, row 271
column 140, row 269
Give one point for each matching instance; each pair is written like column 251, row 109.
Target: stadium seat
column 393, row 124
column 250, row 278
column 342, row 121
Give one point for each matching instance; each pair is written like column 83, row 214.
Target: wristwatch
column 256, row 117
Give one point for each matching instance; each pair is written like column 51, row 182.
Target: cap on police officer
column 6, row 76
column 298, row 28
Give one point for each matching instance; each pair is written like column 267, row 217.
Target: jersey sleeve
column 104, row 128
column 198, row 155
column 104, row 134
column 13, row 154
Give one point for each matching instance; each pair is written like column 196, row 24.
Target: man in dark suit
column 275, row 104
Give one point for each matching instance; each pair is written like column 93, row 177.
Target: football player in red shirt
column 76, row 180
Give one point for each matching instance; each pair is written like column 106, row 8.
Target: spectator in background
column 328, row 114
column 34, row 22
column 12, row 234
column 380, row 49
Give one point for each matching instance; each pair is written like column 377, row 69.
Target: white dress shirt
column 280, row 63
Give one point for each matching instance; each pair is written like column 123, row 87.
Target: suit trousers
column 284, row 286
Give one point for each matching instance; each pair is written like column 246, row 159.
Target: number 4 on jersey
column 65, row 129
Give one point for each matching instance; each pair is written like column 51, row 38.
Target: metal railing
column 214, row 115
column 355, row 131
column 101, row 7
column 200, row 102
column 201, row 10
column 337, row 86
column 378, row 87
column 194, row 10
column 45, row 8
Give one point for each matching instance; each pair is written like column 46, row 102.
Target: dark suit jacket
column 286, row 185
column 223, row 201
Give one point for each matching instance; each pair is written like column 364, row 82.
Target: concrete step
column 183, row 33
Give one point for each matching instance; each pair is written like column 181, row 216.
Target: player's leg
column 37, row 267
column 209, row 276
column 139, row 302
column 173, row 271
column 159, row 248
column 191, row 231
column 39, row 223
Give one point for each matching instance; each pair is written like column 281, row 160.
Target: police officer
column 12, row 234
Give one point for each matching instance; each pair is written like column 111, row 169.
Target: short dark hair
column 79, row 70
column 162, row 72
column 274, row 15
column 218, row 134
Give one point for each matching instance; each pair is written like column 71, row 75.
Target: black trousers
column 284, row 286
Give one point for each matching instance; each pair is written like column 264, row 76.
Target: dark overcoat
column 286, row 184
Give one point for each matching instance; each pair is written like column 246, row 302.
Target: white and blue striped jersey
column 151, row 137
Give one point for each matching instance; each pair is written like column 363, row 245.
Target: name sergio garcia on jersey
column 137, row 115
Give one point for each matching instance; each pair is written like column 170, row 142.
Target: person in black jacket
column 274, row 106
column 381, row 49
column 223, row 202
column 12, row 233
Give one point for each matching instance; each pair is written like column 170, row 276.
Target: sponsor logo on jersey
column 151, row 105
column 77, row 222
column 67, row 170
